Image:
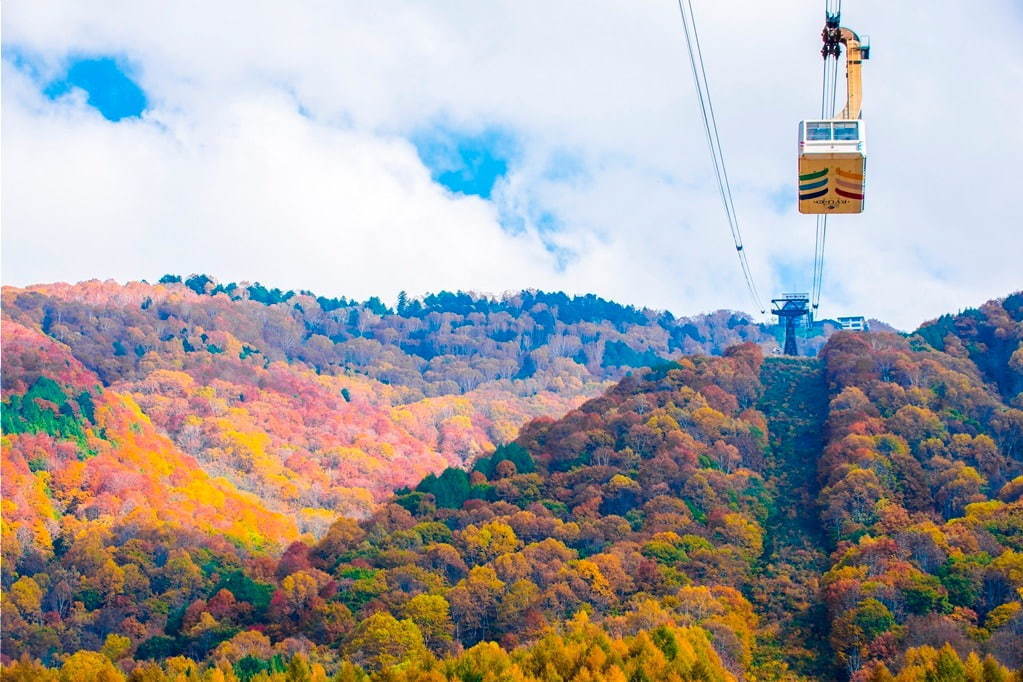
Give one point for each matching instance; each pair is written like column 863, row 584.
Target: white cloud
column 224, row 175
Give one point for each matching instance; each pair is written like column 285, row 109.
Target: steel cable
column 714, row 142
column 828, row 104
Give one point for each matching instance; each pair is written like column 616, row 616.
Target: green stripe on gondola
column 814, row 175
column 813, row 185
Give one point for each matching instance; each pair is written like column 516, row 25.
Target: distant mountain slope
column 992, row 336
column 320, row 406
column 77, row 456
column 445, row 343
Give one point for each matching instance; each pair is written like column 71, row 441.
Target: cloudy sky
column 364, row 147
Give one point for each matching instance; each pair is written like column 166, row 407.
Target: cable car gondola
column 832, row 166
column 833, row 151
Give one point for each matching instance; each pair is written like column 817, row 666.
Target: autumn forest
column 225, row 482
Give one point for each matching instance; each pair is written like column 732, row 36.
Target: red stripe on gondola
column 848, row 195
column 849, row 185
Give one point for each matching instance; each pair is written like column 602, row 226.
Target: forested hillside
column 854, row 516
column 989, row 336
column 324, row 406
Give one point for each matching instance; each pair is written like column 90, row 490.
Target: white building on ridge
column 853, row 323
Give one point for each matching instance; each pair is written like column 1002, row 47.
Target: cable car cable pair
column 829, row 85
column 714, row 142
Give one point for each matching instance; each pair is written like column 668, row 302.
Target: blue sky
column 467, row 163
column 109, row 87
column 464, row 162
column 362, row 149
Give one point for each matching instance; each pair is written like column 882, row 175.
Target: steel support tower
column 791, row 308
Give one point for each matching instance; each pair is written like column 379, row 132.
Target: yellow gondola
column 833, row 152
column 832, row 166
